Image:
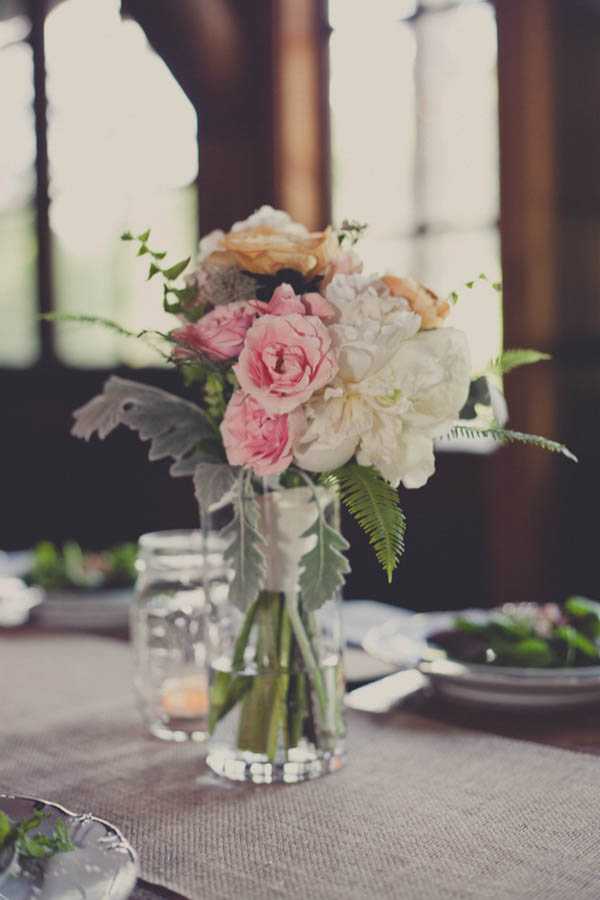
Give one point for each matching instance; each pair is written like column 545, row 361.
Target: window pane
column 415, row 142
column 457, row 159
column 373, row 115
column 19, row 344
column 447, row 261
column 122, row 155
column 450, row 260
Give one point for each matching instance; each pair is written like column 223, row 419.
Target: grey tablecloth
column 421, row 811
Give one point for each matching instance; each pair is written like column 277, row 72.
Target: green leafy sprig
column 496, row 285
column 184, row 296
column 374, row 503
column 172, row 272
column 351, row 231
column 39, row 846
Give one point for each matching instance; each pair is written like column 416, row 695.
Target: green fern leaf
column 375, row 506
column 512, row 359
column 509, row 437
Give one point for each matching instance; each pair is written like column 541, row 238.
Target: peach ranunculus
column 219, row 334
column 264, row 245
column 285, row 360
column 255, row 438
column 285, row 301
column 432, row 309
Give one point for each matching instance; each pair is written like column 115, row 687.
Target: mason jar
column 276, row 667
column 179, row 574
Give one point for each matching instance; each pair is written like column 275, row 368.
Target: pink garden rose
column 285, row 301
column 285, row 360
column 219, row 334
column 255, row 438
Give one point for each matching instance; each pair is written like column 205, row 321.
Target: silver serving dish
column 405, row 646
column 103, row 865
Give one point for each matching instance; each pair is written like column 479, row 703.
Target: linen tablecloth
column 421, row 810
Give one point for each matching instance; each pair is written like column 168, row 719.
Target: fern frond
column 375, row 506
column 508, row 437
column 512, row 359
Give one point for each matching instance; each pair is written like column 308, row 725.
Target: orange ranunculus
column 432, row 309
column 264, row 251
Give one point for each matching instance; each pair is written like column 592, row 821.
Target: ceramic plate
column 103, row 865
column 405, row 646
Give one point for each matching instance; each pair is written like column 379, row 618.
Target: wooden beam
column 301, row 110
column 522, row 486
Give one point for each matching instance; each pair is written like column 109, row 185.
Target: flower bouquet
column 311, row 383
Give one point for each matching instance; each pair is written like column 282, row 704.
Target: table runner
column 421, row 811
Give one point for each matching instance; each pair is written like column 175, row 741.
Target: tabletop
column 430, row 803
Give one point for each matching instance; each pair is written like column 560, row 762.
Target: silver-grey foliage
column 324, row 566
column 173, row 425
column 245, row 550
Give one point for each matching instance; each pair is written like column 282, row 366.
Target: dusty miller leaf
column 214, row 484
column 173, row 425
column 245, row 553
column 324, row 565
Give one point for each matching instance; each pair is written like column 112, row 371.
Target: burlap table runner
column 421, row 811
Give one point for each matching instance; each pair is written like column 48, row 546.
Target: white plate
column 405, row 646
column 103, row 865
column 80, row 609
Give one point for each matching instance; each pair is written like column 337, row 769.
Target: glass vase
column 276, row 666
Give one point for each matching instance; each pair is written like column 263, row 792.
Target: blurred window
column 122, row 154
column 414, row 113
column 19, row 343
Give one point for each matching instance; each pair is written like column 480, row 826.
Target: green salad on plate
column 529, row 635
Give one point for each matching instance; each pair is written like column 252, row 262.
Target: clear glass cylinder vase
column 177, row 572
column 276, row 664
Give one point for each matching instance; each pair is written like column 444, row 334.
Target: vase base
column 167, row 733
column 300, row 765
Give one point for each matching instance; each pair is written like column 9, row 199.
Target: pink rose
column 255, row 438
column 284, row 301
column 219, row 334
column 285, row 360
column 315, row 305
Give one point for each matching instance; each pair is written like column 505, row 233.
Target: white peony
column 209, row 244
column 273, row 219
column 389, row 418
column 370, row 325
